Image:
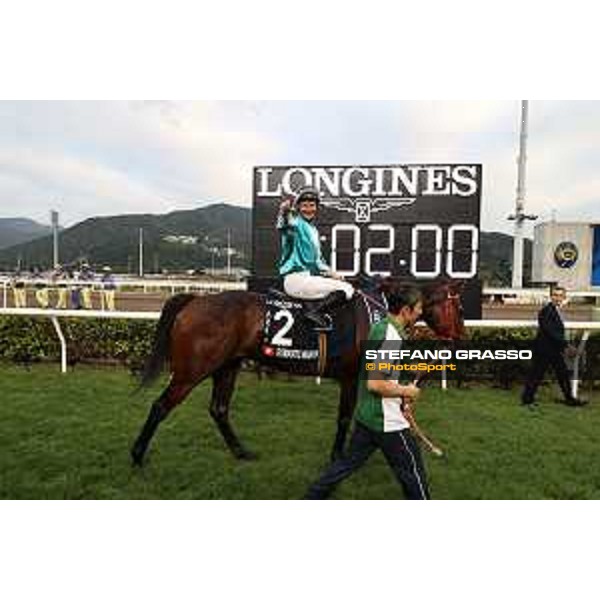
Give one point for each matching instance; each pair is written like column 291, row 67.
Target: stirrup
column 320, row 322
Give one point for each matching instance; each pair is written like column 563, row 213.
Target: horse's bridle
column 451, row 299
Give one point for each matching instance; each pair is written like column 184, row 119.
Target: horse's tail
column 162, row 334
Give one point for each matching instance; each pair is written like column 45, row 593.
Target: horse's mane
column 431, row 290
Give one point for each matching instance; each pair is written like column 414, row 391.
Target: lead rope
column 407, row 411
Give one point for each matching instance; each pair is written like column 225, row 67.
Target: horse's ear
column 457, row 286
column 383, row 283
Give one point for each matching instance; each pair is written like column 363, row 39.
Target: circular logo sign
column 565, row 255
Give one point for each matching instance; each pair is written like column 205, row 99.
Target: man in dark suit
column 548, row 350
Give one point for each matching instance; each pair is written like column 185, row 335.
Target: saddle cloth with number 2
column 287, row 335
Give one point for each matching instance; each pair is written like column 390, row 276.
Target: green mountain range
column 176, row 241
column 18, row 231
column 194, row 239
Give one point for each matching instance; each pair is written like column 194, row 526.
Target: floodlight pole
column 141, row 252
column 229, row 252
column 519, row 217
column 54, row 223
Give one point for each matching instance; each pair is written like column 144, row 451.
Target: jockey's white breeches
column 305, row 286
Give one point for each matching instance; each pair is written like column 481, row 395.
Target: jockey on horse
column 305, row 274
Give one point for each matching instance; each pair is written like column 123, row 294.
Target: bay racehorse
column 209, row 336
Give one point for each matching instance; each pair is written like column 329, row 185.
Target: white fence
column 54, row 315
column 585, row 326
column 508, row 295
column 536, row 295
column 143, row 285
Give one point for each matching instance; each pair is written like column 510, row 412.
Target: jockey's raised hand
column 285, row 206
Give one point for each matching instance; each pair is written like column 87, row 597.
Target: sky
column 101, row 158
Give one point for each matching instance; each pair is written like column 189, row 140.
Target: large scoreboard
column 415, row 222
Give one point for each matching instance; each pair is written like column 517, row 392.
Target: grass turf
column 68, row 436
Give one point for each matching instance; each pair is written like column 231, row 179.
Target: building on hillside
column 186, row 240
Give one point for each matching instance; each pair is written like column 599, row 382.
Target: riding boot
column 318, row 311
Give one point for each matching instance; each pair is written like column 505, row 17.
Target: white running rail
column 586, row 326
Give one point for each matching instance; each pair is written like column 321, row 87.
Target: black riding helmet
column 307, row 193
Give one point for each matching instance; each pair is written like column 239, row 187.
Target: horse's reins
column 369, row 298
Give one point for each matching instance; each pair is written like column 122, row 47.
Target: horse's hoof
column 335, row 456
column 137, row 457
column 243, row 454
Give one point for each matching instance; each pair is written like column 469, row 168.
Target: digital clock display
column 417, row 222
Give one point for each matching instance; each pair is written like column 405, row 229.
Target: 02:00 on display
column 425, row 240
